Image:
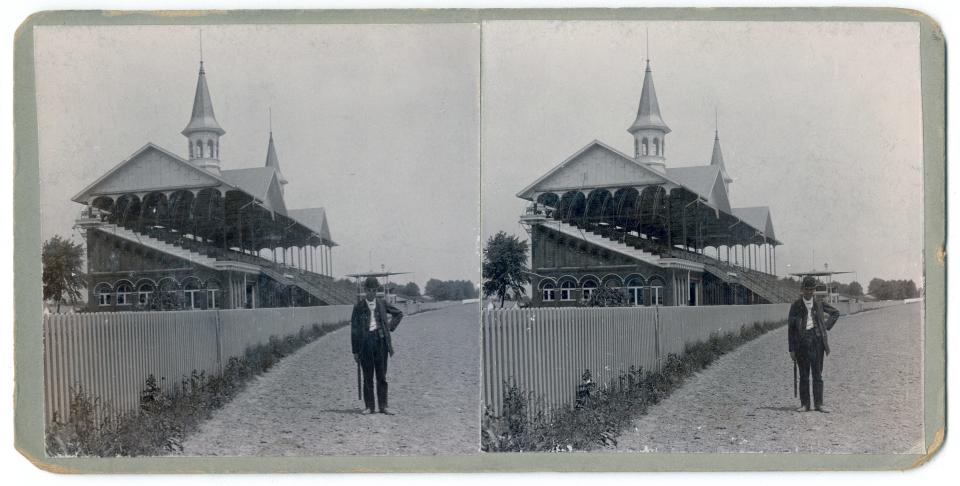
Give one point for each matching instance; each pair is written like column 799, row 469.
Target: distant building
column 166, row 232
column 664, row 235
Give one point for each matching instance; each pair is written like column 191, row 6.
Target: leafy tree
column 411, row 289
column 607, row 297
column 854, row 289
column 450, row 289
column 505, row 266
column 62, row 270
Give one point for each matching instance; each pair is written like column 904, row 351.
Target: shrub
column 598, row 418
column 164, row 419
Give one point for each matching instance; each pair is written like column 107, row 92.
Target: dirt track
column 307, row 405
column 744, row 401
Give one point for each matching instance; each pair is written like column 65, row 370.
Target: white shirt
column 372, row 305
column 809, row 304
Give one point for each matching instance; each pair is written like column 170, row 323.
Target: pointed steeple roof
column 273, row 160
column 202, row 118
column 717, row 157
column 648, row 114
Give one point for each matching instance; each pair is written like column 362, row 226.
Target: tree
column 411, row 289
column 505, row 266
column 62, row 270
column 854, row 289
column 607, row 297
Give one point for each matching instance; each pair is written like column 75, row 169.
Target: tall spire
column 648, row 113
column 273, row 160
column 202, row 118
column 717, row 157
column 648, row 129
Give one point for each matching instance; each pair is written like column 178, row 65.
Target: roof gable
column 313, row 218
column 595, row 165
column 150, row 168
column 261, row 183
column 758, row 217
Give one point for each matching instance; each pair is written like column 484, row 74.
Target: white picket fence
column 544, row 351
column 110, row 354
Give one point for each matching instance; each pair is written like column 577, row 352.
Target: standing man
column 372, row 322
column 808, row 323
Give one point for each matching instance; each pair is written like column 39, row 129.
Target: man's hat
column 809, row 283
column 371, row 283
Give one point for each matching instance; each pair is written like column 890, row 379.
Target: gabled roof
column 704, row 180
column 313, row 218
column 758, row 217
column 648, row 113
column 202, row 118
column 258, row 182
column 154, row 177
column 623, row 171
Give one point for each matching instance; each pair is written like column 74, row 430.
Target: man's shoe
column 822, row 409
column 367, row 411
column 385, row 411
column 803, row 408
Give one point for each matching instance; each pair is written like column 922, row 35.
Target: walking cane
column 360, row 393
column 794, row 378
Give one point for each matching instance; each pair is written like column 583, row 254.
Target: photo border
column 28, row 362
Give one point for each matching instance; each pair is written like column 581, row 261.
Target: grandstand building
column 664, row 235
column 165, row 232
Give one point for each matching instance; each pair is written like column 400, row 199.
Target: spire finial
column 647, row 27
column 716, row 123
column 201, row 49
column 270, row 114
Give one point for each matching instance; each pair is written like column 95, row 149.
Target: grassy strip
column 600, row 414
column 163, row 420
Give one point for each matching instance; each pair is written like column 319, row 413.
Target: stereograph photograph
column 480, row 237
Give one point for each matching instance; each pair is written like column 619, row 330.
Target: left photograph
column 243, row 251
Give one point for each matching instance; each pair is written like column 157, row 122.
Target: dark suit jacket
column 824, row 317
column 388, row 318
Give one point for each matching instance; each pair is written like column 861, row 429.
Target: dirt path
column 307, row 404
column 744, row 401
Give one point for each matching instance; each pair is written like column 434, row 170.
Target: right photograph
column 702, row 237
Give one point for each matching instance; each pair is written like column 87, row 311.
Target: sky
column 379, row 124
column 819, row 121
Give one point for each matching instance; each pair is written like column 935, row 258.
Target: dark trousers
column 810, row 362
column 373, row 361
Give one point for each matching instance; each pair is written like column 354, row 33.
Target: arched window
column 656, row 146
column 635, row 291
column 548, row 291
column 190, row 148
column 644, row 147
column 168, row 294
column 125, row 293
column 199, row 153
column 213, row 294
column 103, row 293
column 566, row 290
column 636, row 148
column 589, row 287
column 210, row 148
column 218, row 149
column 656, row 291
column 192, row 294
column 663, row 147
column 144, row 291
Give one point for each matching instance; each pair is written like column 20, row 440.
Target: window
column 125, row 294
column 635, row 291
column 103, row 293
column 143, row 294
column 566, row 290
column 210, row 148
column 199, row 153
column 656, row 146
column 548, row 291
column 213, row 294
column 190, row 148
column 191, row 294
column 588, row 288
column 644, row 147
column 656, row 291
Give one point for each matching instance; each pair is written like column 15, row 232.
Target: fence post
column 656, row 335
